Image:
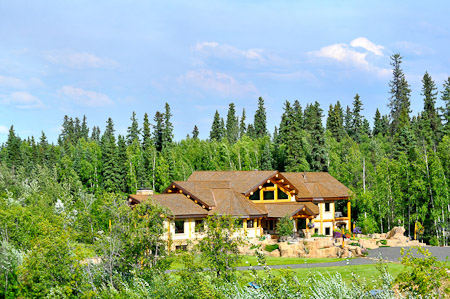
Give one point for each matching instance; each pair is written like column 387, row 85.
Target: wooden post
column 307, row 222
column 321, row 211
column 334, row 213
column 415, row 230
column 190, row 220
column 349, row 214
column 244, row 225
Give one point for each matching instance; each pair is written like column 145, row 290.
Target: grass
column 250, row 260
column 369, row 273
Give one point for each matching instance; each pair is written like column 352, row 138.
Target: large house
column 257, row 198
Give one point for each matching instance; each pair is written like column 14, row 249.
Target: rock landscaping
column 329, row 247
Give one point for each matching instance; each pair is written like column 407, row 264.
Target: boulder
column 369, row 244
column 275, row 253
column 396, row 233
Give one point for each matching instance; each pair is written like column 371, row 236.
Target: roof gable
column 231, row 202
column 317, row 185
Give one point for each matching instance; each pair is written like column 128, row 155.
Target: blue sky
column 109, row 58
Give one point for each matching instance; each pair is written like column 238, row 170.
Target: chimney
column 144, row 191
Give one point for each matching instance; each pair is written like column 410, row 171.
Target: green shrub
column 271, row 248
column 285, row 226
column 318, row 235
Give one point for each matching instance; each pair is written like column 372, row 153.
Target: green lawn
column 369, row 273
column 250, row 260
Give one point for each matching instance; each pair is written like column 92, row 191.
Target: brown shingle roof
column 241, row 181
column 179, row 205
column 317, row 185
column 278, row 210
column 201, row 190
column 231, row 202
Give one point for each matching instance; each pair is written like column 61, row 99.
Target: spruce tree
column 43, row 155
column 377, row 123
column 445, row 97
column 167, row 134
column 251, row 131
column 146, row 135
column 242, row 127
column 400, row 91
column 232, row 125
column 216, row 133
column 84, row 133
column 291, row 135
column 335, row 121
column 298, row 113
column 223, row 130
column 76, row 130
column 260, row 123
column 111, row 181
column 13, row 154
column 133, row 130
column 95, row 136
column 158, row 130
column 266, row 156
column 313, row 125
column 357, row 121
column 429, row 91
column 195, row 133
column 348, row 121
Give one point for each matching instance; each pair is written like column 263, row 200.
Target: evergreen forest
column 58, row 201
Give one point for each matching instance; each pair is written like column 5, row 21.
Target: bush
column 423, row 276
column 434, row 241
column 318, row 235
column 382, row 242
column 285, row 226
column 271, row 248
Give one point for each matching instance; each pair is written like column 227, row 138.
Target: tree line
column 398, row 170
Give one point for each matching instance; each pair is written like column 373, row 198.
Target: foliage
column 423, row 275
column 272, row 247
column 285, row 226
column 219, row 246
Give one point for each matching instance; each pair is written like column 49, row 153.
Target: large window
column 282, row 195
column 179, row 226
column 255, row 196
column 327, row 207
column 250, row 223
column 269, row 195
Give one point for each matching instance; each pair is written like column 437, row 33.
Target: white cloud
column 221, row 83
column 23, row 100
column 366, row 44
column 227, row 51
column 4, row 130
column 78, row 60
column 12, row 82
column 85, row 97
column 346, row 54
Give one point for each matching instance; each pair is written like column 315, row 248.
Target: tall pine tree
column 133, row 130
column 232, row 125
column 400, row 91
column 260, row 122
column 216, row 131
